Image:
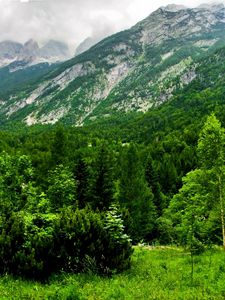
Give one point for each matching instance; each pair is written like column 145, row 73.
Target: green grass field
column 155, row 274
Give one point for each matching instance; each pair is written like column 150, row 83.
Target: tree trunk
column 222, row 210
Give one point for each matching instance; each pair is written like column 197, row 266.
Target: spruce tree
column 152, row 178
column 136, row 196
column 59, row 146
column 82, row 177
column 102, row 190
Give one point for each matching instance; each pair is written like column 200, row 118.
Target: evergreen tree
column 153, row 182
column 202, row 196
column 136, row 196
column 59, row 146
column 16, row 182
column 102, row 190
column 82, row 177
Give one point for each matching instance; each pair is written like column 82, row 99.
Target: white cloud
column 73, row 20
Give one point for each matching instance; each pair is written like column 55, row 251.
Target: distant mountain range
column 130, row 72
column 19, row 55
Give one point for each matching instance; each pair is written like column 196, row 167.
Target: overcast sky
column 73, row 20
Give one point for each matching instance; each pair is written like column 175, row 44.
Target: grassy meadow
column 159, row 273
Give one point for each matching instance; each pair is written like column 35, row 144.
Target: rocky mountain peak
column 30, row 50
column 173, row 7
column 86, row 44
column 31, row 45
column 177, row 21
column 55, row 49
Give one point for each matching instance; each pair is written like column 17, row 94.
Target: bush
column 37, row 245
column 27, row 245
column 89, row 241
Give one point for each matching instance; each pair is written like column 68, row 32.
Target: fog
column 72, row 21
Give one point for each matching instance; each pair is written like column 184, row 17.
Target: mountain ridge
column 131, row 71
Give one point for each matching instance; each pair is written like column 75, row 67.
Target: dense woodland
column 77, row 199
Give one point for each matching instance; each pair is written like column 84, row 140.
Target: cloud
column 73, row 20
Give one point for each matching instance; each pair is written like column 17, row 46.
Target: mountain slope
column 22, row 78
column 183, row 115
column 132, row 71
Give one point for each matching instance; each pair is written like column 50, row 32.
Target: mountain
column 87, row 44
column 54, row 51
column 130, row 72
column 20, row 56
column 9, row 50
column 22, row 65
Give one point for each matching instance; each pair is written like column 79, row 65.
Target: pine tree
column 153, row 182
column 58, row 148
column 136, row 196
column 82, row 177
column 102, row 191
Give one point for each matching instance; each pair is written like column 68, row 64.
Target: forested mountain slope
column 188, row 107
column 130, row 72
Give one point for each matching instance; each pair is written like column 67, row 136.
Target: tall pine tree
column 102, row 190
column 136, row 196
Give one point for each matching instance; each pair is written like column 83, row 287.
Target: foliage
column 194, row 208
column 37, row 245
column 62, row 187
column 42, row 233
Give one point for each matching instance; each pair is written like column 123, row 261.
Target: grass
column 163, row 273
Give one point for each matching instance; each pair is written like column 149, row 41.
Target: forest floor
column 162, row 273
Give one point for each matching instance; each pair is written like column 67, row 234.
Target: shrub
column 27, row 245
column 89, row 241
column 37, row 245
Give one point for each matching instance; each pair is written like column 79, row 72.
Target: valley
column 112, row 162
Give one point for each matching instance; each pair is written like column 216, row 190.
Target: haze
column 72, row 21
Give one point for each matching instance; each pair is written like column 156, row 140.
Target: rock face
column 176, row 22
column 131, row 71
column 30, row 53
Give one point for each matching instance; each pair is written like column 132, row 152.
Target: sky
column 72, row 21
